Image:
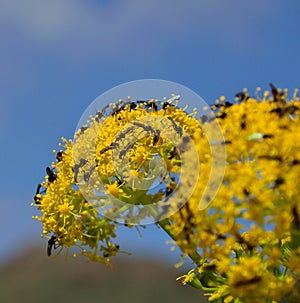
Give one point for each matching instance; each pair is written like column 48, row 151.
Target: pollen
column 64, row 209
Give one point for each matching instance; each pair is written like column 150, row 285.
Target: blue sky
column 57, row 56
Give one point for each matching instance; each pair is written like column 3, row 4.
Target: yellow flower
column 249, row 234
column 64, row 209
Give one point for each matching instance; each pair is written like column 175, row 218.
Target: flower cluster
column 245, row 244
column 249, row 236
column 107, row 175
column 67, row 215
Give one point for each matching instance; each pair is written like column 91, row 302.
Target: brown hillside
column 34, row 277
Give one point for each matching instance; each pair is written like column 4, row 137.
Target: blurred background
column 57, row 56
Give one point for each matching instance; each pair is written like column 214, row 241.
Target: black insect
column 186, row 139
column 168, row 191
column 170, row 185
column 59, row 156
column 222, row 115
column 87, row 174
column 277, row 95
column 149, row 104
column 278, row 182
column 156, row 136
column 110, row 147
column 130, row 105
column 241, row 240
column 176, row 127
column 169, row 102
column 223, row 104
column 51, row 174
column 294, row 162
column 98, row 116
column 220, row 142
column 152, row 104
column 105, row 149
column 37, row 199
column 77, row 166
column 266, row 136
column 268, row 157
column 173, row 153
column 124, row 133
column 296, row 217
column 143, row 102
column 165, row 105
column 124, row 151
column 120, row 181
column 282, row 111
column 242, row 96
column 243, row 121
column 101, row 113
column 117, row 110
column 246, row 192
column 247, row 282
column 204, row 118
column 225, row 142
column 82, row 129
column 52, row 243
column 147, row 128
